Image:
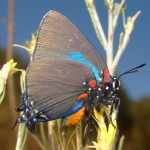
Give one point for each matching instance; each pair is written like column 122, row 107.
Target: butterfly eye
column 115, row 83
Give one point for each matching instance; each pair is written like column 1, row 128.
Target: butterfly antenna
column 134, row 70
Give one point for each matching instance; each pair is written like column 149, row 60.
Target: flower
column 30, row 45
column 105, row 134
column 7, row 69
column 130, row 23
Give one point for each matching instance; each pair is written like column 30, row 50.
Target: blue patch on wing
column 77, row 56
column 76, row 107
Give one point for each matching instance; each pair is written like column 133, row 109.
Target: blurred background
column 134, row 113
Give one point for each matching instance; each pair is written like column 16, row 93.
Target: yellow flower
column 30, row 45
column 105, row 134
column 7, row 69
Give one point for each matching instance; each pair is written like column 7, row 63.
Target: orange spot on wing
column 76, row 117
column 82, row 96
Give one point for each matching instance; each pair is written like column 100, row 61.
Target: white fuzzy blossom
column 5, row 72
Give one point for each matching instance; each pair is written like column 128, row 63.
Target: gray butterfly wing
column 53, row 80
column 55, row 84
column 58, row 36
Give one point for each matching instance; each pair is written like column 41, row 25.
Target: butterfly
column 66, row 78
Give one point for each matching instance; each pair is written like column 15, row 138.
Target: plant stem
column 21, row 137
column 96, row 23
column 109, row 52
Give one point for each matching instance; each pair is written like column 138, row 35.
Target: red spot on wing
column 92, row 83
column 82, row 96
column 106, row 75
